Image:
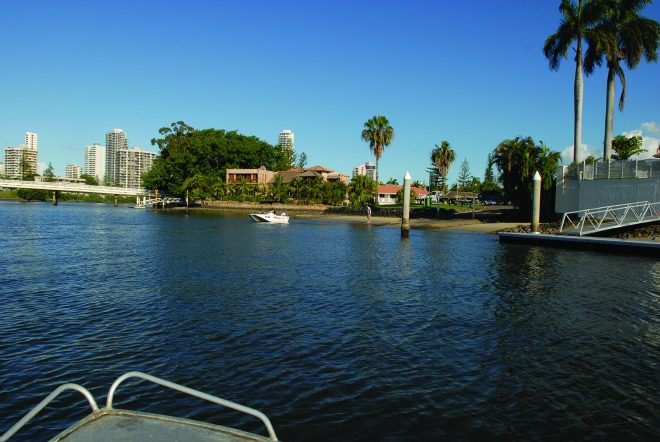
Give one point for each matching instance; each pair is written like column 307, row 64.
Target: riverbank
column 491, row 220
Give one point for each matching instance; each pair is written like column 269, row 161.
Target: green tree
column 464, row 175
column 442, row 156
column 90, row 180
column 186, row 152
column 379, row 134
column 302, row 161
column 361, row 190
column 278, row 189
column 626, row 147
column 576, row 22
column 49, row 173
column 625, row 36
column 399, row 196
column 393, row 182
column 517, row 160
column 489, row 177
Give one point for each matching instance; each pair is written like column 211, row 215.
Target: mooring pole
column 405, row 218
column 115, row 200
column 54, row 197
column 536, row 202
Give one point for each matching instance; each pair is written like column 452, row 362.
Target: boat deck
column 124, row 425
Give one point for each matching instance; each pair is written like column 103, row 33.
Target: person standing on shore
column 368, row 215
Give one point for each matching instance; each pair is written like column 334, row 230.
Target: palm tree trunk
column 609, row 115
column 376, row 198
column 578, row 94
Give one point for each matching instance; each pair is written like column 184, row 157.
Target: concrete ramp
column 588, row 221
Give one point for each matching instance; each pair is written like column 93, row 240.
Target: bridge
column 587, row 221
column 58, row 187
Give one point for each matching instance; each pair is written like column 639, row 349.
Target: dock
column 613, row 245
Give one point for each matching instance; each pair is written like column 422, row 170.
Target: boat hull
column 269, row 217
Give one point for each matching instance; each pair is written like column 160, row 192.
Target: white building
column 2, row 169
column 115, row 140
column 72, row 171
column 286, row 141
column 368, row 169
column 95, row 162
column 31, row 141
column 131, row 164
column 20, row 162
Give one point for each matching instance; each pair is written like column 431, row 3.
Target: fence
column 613, row 169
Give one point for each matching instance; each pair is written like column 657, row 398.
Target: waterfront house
column 387, row 193
column 264, row 176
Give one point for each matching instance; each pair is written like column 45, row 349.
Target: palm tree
column 576, row 22
column 361, row 190
column 625, row 36
column 379, row 134
column 442, row 156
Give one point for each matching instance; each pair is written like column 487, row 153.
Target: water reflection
column 337, row 331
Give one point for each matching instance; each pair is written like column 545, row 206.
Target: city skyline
column 438, row 70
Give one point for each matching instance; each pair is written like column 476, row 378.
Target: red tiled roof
column 390, row 188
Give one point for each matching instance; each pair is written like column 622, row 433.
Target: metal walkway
column 588, row 221
column 143, row 203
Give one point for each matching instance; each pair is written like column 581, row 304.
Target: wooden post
column 405, row 218
column 55, row 197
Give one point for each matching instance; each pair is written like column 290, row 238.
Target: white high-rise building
column 72, row 171
column 131, row 164
column 21, row 161
column 95, row 162
column 115, row 140
column 287, row 143
column 368, row 169
column 31, row 141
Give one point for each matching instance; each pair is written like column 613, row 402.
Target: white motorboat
column 270, row 217
column 112, row 424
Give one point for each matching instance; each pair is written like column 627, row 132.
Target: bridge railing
column 584, row 222
column 613, row 169
column 73, row 187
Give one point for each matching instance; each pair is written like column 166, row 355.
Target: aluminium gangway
column 588, row 221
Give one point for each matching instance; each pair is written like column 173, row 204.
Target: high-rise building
column 2, row 169
column 131, row 164
column 72, row 171
column 115, row 140
column 368, row 169
column 21, row 161
column 286, row 141
column 31, row 141
column 95, row 162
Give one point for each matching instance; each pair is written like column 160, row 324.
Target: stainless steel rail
column 135, row 374
column 192, row 392
column 584, row 222
column 41, row 405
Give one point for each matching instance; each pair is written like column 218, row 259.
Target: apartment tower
column 287, row 143
column 95, row 162
column 115, row 140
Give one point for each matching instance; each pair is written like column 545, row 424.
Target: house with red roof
column 387, row 193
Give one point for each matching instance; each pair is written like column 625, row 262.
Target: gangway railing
column 141, row 203
column 588, row 221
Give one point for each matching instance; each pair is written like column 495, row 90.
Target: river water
column 337, row 331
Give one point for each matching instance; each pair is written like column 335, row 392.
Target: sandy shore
column 465, row 225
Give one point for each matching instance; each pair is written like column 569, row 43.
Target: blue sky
column 472, row 73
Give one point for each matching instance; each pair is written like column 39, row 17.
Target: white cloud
column 584, row 152
column 651, row 126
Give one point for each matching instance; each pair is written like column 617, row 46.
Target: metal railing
column 41, row 405
column 613, row 169
column 135, row 374
column 587, row 221
column 154, row 202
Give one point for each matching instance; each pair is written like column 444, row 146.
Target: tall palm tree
column 576, row 22
column 442, row 156
column 379, row 134
column 625, row 36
